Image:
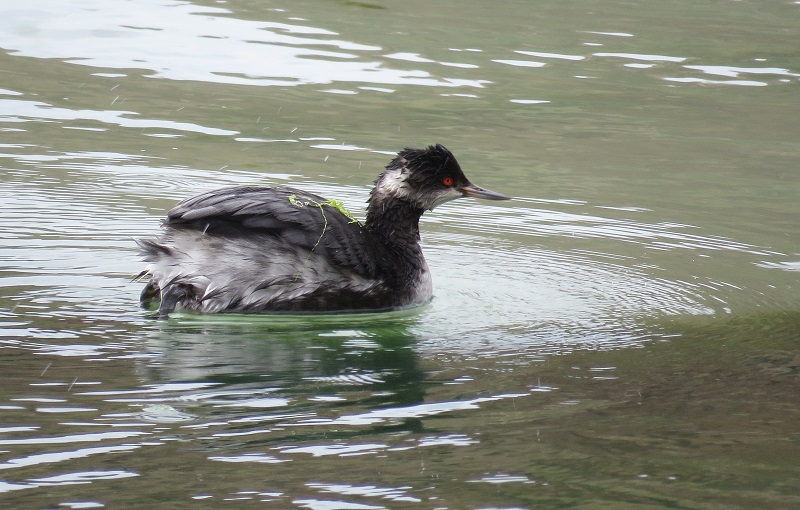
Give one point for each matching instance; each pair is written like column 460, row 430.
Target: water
column 623, row 334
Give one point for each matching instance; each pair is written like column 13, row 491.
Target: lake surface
column 623, row 334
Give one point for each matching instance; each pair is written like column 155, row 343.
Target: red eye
column 447, row 181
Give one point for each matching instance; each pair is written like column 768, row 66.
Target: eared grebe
column 257, row 249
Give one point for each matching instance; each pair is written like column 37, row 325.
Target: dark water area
column 623, row 334
column 286, row 413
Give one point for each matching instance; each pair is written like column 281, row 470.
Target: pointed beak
column 470, row 190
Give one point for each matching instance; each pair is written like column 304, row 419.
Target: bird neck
column 394, row 220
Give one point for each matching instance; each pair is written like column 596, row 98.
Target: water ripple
column 184, row 41
column 53, row 457
column 415, row 411
column 390, row 493
column 73, row 438
column 17, row 110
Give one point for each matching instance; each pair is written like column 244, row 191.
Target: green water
column 623, row 334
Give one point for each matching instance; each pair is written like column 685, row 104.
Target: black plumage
column 254, row 249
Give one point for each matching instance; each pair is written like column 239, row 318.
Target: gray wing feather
column 313, row 227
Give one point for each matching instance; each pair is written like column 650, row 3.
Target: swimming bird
column 261, row 249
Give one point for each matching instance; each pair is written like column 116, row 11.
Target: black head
column 427, row 178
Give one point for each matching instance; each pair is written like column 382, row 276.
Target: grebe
column 260, row 249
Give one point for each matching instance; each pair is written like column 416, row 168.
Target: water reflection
column 184, row 41
column 14, row 110
column 224, row 380
column 372, row 352
column 734, row 72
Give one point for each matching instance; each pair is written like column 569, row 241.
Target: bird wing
column 305, row 220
